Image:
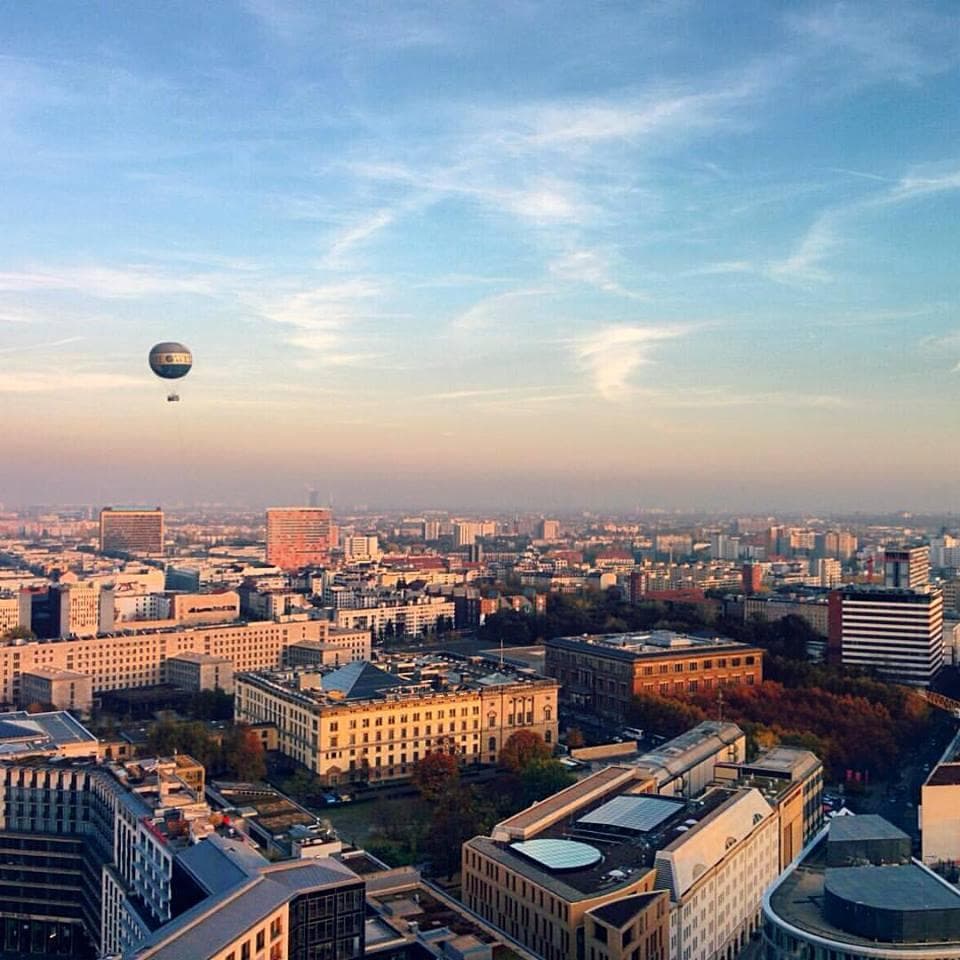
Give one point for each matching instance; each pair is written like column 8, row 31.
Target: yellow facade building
column 361, row 722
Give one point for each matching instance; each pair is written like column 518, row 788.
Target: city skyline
column 655, row 254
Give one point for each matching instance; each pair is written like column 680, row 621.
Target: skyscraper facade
column 298, row 536
column 131, row 531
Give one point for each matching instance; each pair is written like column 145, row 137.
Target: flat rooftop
column 652, row 644
column 56, row 728
column 273, row 811
column 907, row 887
column 415, row 677
column 867, row 826
column 799, row 897
column 626, row 834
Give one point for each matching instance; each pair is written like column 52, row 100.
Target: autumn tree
column 521, row 749
column 435, row 774
column 243, row 754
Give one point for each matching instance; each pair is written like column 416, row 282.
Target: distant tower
column 313, row 499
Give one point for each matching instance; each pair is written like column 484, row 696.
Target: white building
column 897, row 632
column 716, row 873
column 362, row 548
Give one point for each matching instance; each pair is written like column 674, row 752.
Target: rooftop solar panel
column 559, row 854
column 638, row 814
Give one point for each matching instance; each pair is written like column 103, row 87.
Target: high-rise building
column 299, row 536
column 906, row 567
column 125, row 530
column 897, row 632
column 835, row 543
column 548, row 530
column 466, row 532
column 361, row 548
column 752, row 578
column 828, row 571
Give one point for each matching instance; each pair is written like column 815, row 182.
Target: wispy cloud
column 723, row 397
column 47, row 345
column 61, row 382
column 612, row 354
column 352, row 236
column 323, row 321
column 806, row 263
column 923, row 182
column 721, row 268
column 495, row 310
column 870, row 42
column 108, row 282
column 590, row 267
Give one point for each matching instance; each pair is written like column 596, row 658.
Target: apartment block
column 127, row 860
column 10, row 611
column 136, row 658
column 402, row 617
column 812, row 609
column 299, row 536
column 138, row 532
column 361, row 548
column 362, row 723
column 87, row 850
column 603, row 673
column 221, row 606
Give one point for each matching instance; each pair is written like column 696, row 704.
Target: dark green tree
column 543, row 778
column 243, row 754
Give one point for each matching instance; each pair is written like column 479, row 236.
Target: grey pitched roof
column 223, row 917
column 309, row 874
column 361, row 680
column 218, row 864
column 208, row 927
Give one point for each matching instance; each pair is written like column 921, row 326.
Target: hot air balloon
column 171, row 361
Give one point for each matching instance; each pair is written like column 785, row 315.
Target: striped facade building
column 897, row 632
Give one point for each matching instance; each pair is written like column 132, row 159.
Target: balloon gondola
column 170, row 361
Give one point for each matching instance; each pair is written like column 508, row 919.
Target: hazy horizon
column 674, row 255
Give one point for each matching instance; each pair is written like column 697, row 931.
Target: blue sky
column 670, row 253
